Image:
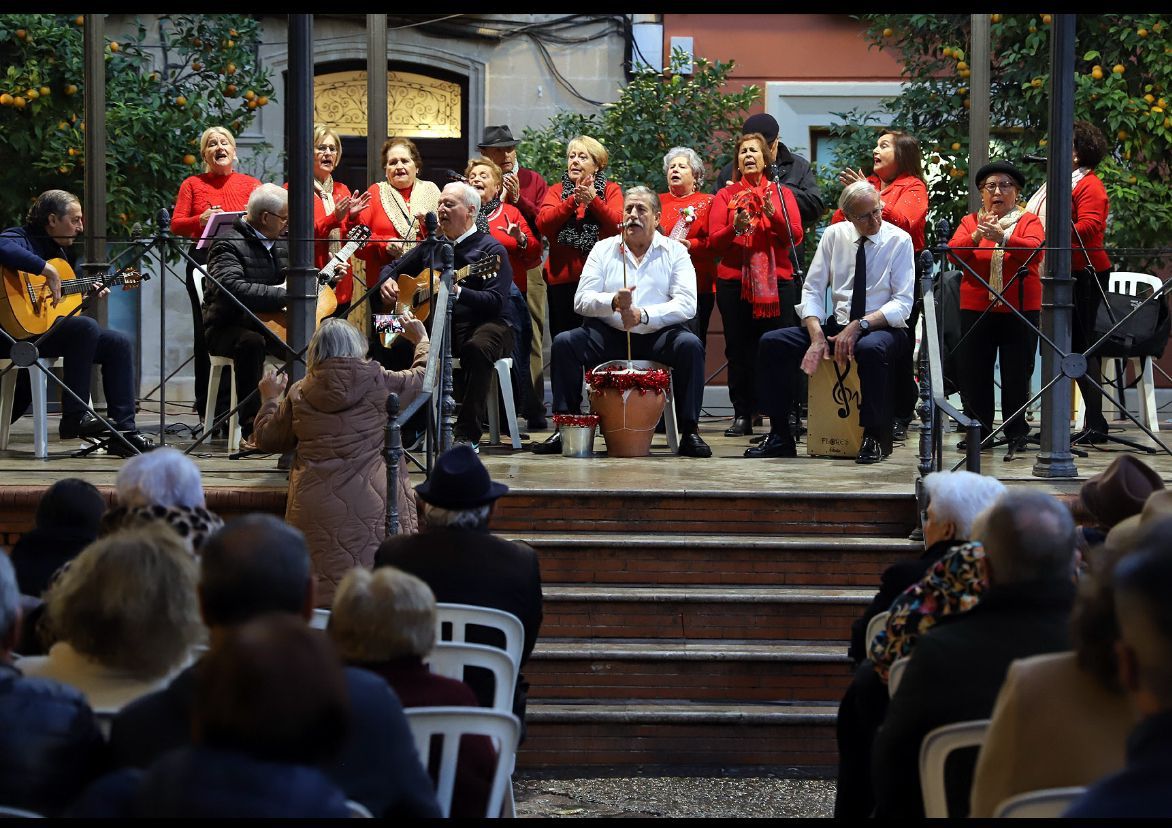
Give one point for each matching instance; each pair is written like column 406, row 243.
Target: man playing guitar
column 53, row 222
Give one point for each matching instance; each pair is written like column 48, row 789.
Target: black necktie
column 859, row 290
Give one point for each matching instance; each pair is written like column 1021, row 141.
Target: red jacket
column 1089, row 214
column 520, row 260
column 699, row 248
column 1024, row 295
column 565, row 263
column 721, row 232
column 905, row 204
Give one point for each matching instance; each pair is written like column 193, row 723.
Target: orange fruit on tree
column 189, row 159
column 1097, row 72
column 1142, row 32
column 114, row 47
column 1036, row 83
column 262, row 100
column 994, row 18
column 32, row 94
column 956, row 145
column 79, row 20
column 71, row 89
column 961, row 66
column 181, row 101
column 249, row 95
column 63, row 169
column 45, row 90
column 232, row 33
column 230, row 89
column 230, row 69
column 1150, row 98
column 229, row 43
column 1118, row 68
column 21, row 34
column 19, row 102
column 964, row 73
column 6, row 99
column 1122, row 135
column 252, row 104
column 197, row 66
column 63, row 125
column 1046, row 19
column 947, row 51
column 72, row 152
column 888, row 32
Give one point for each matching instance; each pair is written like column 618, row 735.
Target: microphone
column 455, row 176
column 1035, row 159
column 431, row 224
column 773, row 172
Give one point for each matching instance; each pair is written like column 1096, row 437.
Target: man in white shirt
column 863, row 252
column 655, row 309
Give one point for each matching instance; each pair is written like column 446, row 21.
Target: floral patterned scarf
column 581, row 233
column 758, row 265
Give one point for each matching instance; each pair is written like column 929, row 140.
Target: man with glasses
column 250, row 264
column 869, row 267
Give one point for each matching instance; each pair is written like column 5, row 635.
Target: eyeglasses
column 994, row 186
column 878, row 211
column 324, row 149
column 283, row 219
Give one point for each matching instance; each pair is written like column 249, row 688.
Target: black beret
column 1000, row 167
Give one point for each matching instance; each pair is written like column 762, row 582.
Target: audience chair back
column 40, row 394
column 1047, row 803
column 450, row 723
column 895, row 675
column 934, row 752
column 874, row 626
column 450, row 659
column 18, row 813
column 461, row 616
column 358, row 810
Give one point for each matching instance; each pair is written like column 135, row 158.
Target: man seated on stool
column 653, row 310
column 863, row 253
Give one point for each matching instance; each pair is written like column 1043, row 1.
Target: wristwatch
column 864, row 325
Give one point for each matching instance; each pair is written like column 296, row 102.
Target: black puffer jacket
column 251, row 273
column 50, row 746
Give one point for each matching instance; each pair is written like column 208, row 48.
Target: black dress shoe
column 140, row 442
column 87, row 425
column 741, row 427
column 551, row 445
column 869, row 451
column 899, row 429
column 691, row 445
column 774, row 445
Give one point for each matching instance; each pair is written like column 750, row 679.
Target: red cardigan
column 199, row 192
column 905, row 204
column 565, row 263
column 699, row 248
column 1089, row 214
column 1027, row 233
column 520, row 260
column 721, row 232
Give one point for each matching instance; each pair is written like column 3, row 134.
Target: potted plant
column 629, row 401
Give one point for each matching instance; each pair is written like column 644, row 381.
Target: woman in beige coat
column 335, row 418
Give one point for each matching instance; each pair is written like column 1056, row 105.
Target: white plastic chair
column 1047, row 803
column 934, row 752
column 502, row 383
column 895, row 674
column 449, row 659
column 358, row 810
column 669, row 407
column 453, row 722
column 874, row 626
column 219, row 364
column 40, row 394
column 461, row 616
column 321, row 617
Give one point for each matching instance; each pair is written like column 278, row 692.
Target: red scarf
column 758, row 266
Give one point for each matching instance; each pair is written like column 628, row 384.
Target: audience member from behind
column 1061, row 720
column 463, row 562
column 385, row 622
column 1114, row 495
column 336, row 421
column 957, row 667
column 123, row 616
column 258, row 565
column 66, row 522
column 50, row 746
column 1143, row 582
column 164, row 485
column 257, row 747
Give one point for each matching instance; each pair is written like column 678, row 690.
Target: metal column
column 376, row 95
column 302, row 294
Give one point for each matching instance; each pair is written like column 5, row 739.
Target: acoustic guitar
column 26, row 303
column 416, row 292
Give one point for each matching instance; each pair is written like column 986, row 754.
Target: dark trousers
column 742, row 334
column 561, row 308
column 705, row 303
column 596, row 342
column 83, row 343
column 1087, row 298
column 247, row 348
column 1004, row 335
column 907, row 390
column 859, row 716
column 477, row 347
column 778, row 364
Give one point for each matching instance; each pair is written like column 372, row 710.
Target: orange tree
column 1123, row 85
column 159, row 99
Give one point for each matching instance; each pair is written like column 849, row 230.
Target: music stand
column 219, row 226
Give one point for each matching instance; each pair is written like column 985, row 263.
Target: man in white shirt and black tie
column 870, row 268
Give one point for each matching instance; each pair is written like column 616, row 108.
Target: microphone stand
column 622, row 243
column 774, row 173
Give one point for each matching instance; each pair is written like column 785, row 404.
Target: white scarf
column 424, row 196
column 996, row 267
column 325, row 191
column 1037, row 202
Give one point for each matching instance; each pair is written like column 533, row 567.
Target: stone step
column 626, row 732
column 692, row 670
column 742, row 560
column 704, row 612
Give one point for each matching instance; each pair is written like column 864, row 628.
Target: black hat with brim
column 1000, row 167
column 459, row 481
column 497, row 137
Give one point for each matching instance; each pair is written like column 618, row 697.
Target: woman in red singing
column 219, row 188
column 573, row 217
column 897, row 173
column 997, row 243
column 685, row 219
column 503, row 221
column 751, row 228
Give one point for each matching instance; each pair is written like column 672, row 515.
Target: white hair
column 468, row 195
column 959, row 496
column 438, row 517
column 693, row 161
column 267, row 198
column 854, row 192
column 165, row 476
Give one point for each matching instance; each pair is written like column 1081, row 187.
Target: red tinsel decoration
column 656, row 380
column 581, row 420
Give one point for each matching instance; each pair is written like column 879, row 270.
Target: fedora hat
column 1120, row 491
column 1126, row 533
column 497, row 137
column 459, row 481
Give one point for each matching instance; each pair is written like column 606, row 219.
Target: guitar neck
column 84, row 284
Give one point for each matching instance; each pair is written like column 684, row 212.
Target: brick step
column 627, row 732
column 770, row 613
column 679, row 559
column 708, row 671
column 707, row 513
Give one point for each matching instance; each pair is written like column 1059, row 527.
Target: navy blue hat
column 763, row 123
column 1000, row 167
column 459, row 481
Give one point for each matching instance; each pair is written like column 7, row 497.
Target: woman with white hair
column 685, row 219
column 335, row 419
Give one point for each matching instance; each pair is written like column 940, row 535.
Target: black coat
column 467, row 566
column 955, row 673
column 50, row 746
column 250, row 272
column 482, row 298
column 378, row 765
column 39, row 553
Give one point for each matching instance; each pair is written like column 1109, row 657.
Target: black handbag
column 1144, row 332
